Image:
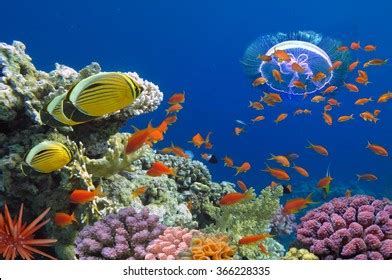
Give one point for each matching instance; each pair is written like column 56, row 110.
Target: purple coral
column 282, row 224
column 173, row 241
column 119, row 236
column 358, row 227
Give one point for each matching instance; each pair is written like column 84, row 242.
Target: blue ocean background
column 196, row 47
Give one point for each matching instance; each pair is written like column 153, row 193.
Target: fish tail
column 310, row 145
column 266, row 170
column 376, row 119
column 368, row 144
column 352, row 116
column 272, row 157
column 73, row 218
column 358, row 176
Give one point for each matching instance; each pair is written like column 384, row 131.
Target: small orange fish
column 318, row 77
column 174, row 108
column 243, row 168
column 298, row 112
column 324, row 182
column 351, row 87
column 282, row 160
column 330, row 89
column 263, row 249
column 277, row 76
column 361, row 81
column 307, row 112
column 258, row 118
column 197, row 140
column 282, row 55
column 336, row 65
column 377, row 149
column 327, row 118
column 249, row 239
column 367, row 116
column 84, row 196
column 355, row 46
column 242, row 186
column 138, row 139
column 280, row 174
column 280, row 118
column 299, row 84
column 158, row 168
column 342, row 49
column 138, row 192
column 297, row 68
column 363, row 74
column 375, row 62
column 363, row 101
column 178, row 151
column 207, row 142
column 370, row 48
column 154, row 136
column 345, row 118
column 384, row 97
column 233, row 198
column 275, row 97
column 274, row 184
column 317, row 99
column 238, row 130
column 265, row 58
column 170, row 119
column 301, row 170
column 293, row 206
column 259, row 81
column 177, row 98
column 327, row 108
column 353, row 65
column 162, row 127
column 228, row 161
column 333, row 102
column 367, row 177
column 318, row 149
column 256, row 105
column 63, row 219
column 376, row 112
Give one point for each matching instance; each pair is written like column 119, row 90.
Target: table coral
column 172, row 242
column 125, row 235
column 358, row 227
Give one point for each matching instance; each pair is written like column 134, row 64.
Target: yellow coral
column 212, row 248
column 299, row 254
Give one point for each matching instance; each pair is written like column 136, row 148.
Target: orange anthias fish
column 177, row 98
column 293, row 206
column 280, row 159
column 327, row 108
column 375, row 62
column 170, row 119
column 243, row 168
column 326, row 181
column 197, row 140
column 155, row 136
column 317, row 99
column 249, row 239
column 138, row 191
column 367, row 116
column 384, row 97
column 277, row 76
column 353, row 65
column 297, row 68
column 162, row 127
column 336, row 65
column 280, row 174
column 318, row 149
column 84, row 196
column 178, row 151
column 233, row 198
column 228, row 161
column 263, row 57
column 327, row 118
column 301, row 170
column 63, row 219
column 345, row 118
column 377, row 149
column 158, row 168
column 351, row 87
column 258, row 118
column 238, row 130
column 174, row 108
column 355, row 46
column 367, row 177
column 376, row 112
column 363, row 101
column 282, row 55
column 263, row 249
column 256, row 105
column 299, row 84
column 333, row 102
column 138, row 139
column 280, row 118
column 318, row 77
column 274, row 97
column 370, row 48
column 330, row 89
column 242, row 186
column 342, row 49
column 259, row 81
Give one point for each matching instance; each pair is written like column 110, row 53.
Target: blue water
column 196, row 46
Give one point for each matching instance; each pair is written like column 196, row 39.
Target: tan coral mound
column 212, row 247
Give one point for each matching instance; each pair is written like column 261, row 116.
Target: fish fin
column 310, row 145
column 358, row 176
column 73, row 218
column 368, row 144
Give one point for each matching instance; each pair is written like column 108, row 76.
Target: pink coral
column 358, row 227
column 167, row 246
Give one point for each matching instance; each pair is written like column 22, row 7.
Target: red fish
column 177, row 98
column 242, row 186
column 84, row 196
column 63, row 219
column 293, row 206
column 243, row 168
column 158, row 168
column 234, row 197
column 249, row 239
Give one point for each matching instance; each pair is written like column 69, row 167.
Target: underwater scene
column 195, row 130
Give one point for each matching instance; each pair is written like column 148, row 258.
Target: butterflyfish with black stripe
column 47, row 156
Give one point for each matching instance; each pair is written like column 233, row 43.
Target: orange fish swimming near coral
column 83, row 196
column 318, row 77
column 279, row 174
column 197, row 140
column 282, row 160
column 277, row 76
column 63, row 219
column 249, row 239
column 280, row 118
column 138, row 139
column 228, row 161
column 158, row 168
column 367, row 116
column 377, row 149
column 318, row 149
column 366, row 177
column 244, row 167
column 233, row 198
column 170, row 119
column 238, row 130
column 242, row 186
column 301, row 170
column 293, row 206
column 265, row 58
column 175, row 108
column 138, row 192
column 177, row 98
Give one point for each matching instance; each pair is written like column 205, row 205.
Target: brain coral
column 358, row 227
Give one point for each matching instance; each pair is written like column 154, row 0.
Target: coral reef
column 125, row 235
column 282, row 224
column 299, row 254
column 358, row 227
column 211, row 247
column 170, row 244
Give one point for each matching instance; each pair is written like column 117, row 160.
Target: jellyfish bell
column 309, row 69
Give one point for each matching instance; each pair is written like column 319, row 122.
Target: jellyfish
column 313, row 53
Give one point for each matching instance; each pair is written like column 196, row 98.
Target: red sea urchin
column 18, row 239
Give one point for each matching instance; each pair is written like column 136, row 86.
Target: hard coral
column 299, row 254
column 358, row 227
column 119, row 236
column 212, row 247
column 173, row 241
